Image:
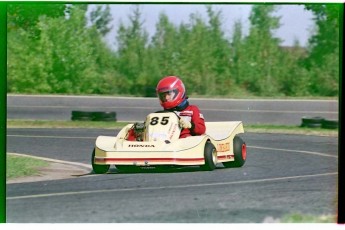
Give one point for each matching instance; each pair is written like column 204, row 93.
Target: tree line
column 57, row 49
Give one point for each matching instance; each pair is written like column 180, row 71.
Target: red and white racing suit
column 192, row 114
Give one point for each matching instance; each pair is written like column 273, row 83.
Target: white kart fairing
column 161, row 144
column 162, row 127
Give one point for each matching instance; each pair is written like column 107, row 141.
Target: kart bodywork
column 159, row 145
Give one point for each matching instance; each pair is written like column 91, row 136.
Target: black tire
column 104, row 116
column 240, row 152
column 81, row 114
column 312, row 122
column 210, row 155
column 330, row 124
column 93, row 116
column 81, row 118
column 98, row 169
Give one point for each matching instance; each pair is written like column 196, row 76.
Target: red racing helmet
column 171, row 92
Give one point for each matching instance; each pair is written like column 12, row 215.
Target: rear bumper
column 149, row 158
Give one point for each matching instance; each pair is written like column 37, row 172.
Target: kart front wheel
column 99, row 169
column 240, row 152
column 210, row 155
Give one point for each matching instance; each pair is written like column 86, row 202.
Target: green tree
column 132, row 43
column 101, row 17
column 27, row 67
column 26, row 16
column 293, row 78
column 198, row 52
column 194, row 55
column 220, row 54
column 259, row 66
column 58, row 53
column 67, row 58
column 326, row 39
column 166, row 45
column 238, row 54
column 323, row 61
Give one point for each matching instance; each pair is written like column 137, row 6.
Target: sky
column 296, row 23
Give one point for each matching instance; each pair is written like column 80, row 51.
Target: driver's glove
column 185, row 124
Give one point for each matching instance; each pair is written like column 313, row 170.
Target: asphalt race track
column 250, row 111
column 284, row 174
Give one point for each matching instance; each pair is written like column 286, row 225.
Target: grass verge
column 299, row 218
column 63, row 124
column 20, row 166
column 117, row 125
column 288, row 129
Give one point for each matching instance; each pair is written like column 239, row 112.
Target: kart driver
column 172, row 96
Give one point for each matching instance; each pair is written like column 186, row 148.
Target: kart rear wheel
column 98, row 169
column 240, row 152
column 210, row 155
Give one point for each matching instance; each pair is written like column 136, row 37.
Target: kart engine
column 139, row 129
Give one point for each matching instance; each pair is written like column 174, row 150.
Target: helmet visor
column 167, row 96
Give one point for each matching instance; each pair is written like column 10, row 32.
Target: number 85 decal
column 155, row 121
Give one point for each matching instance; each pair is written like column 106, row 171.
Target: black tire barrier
column 312, row 122
column 319, row 122
column 93, row 116
column 329, row 124
column 81, row 116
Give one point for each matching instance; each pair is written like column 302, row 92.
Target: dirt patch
column 55, row 171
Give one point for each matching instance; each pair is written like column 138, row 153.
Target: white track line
column 155, row 99
column 155, row 108
column 294, row 151
column 170, row 187
column 59, row 137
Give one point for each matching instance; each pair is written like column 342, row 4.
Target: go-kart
column 155, row 143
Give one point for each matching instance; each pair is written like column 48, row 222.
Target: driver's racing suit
column 192, row 114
